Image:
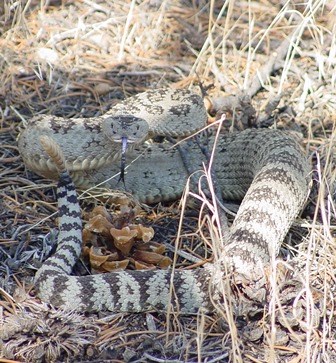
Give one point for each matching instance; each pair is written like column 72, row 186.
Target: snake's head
column 117, row 128
column 125, row 130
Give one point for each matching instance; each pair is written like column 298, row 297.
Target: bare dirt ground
column 76, row 58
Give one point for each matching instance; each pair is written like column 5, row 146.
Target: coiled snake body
column 264, row 168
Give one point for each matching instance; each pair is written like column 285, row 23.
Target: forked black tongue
column 123, row 160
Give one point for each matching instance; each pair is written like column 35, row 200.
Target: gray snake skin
column 266, row 169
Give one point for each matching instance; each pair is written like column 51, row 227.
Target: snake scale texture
column 266, row 169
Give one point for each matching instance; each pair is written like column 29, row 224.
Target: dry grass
column 74, row 58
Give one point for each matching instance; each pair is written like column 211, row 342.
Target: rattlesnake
column 266, row 166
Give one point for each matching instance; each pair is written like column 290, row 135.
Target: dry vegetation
column 74, row 58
